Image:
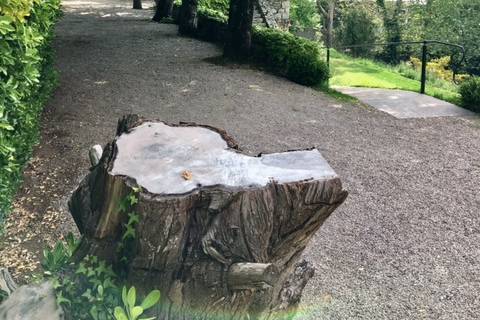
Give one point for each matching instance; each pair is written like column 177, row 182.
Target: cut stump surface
column 220, row 233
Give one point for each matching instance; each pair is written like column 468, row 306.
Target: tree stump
column 220, row 233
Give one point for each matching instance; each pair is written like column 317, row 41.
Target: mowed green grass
column 351, row 72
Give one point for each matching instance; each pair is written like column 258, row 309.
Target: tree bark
column 163, row 10
column 188, row 17
column 218, row 232
column 239, row 37
column 328, row 20
column 137, row 4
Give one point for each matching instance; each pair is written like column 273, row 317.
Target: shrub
column 470, row 92
column 210, row 14
column 26, row 79
column 212, row 25
column 220, row 6
column 296, row 58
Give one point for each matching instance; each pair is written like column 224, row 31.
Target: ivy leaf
column 133, row 218
column 130, row 232
column 133, row 199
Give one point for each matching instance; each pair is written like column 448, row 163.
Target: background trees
column 352, row 22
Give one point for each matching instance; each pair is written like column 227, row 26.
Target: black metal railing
column 424, row 44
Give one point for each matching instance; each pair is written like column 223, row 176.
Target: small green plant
column 125, row 247
column 56, row 258
column 130, row 311
column 88, row 291
column 470, row 92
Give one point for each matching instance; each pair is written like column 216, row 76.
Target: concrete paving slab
column 405, row 104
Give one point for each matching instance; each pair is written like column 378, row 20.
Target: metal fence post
column 328, row 57
column 424, row 67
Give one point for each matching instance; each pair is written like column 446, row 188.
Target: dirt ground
column 405, row 245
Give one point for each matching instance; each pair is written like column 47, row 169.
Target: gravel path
column 405, row 245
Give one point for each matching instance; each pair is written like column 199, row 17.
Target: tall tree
column 392, row 24
column 188, row 17
column 327, row 9
column 239, row 38
column 137, row 4
column 357, row 28
column 456, row 21
column 163, row 10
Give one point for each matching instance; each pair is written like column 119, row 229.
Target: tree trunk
column 328, row 15
column 220, row 233
column 239, row 37
column 163, row 10
column 137, row 4
column 188, row 17
column 331, row 15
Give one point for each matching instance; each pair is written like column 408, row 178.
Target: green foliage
column 56, row 258
column 455, row 21
column 304, row 15
column 470, row 92
column 126, row 245
column 130, row 311
column 221, row 6
column 26, row 80
column 90, row 290
column 216, row 10
column 296, row 58
column 357, row 27
column 211, row 14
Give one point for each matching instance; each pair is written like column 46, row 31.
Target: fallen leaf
column 187, row 175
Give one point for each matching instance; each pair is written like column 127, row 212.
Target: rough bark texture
column 137, row 4
column 215, row 251
column 239, row 37
column 163, row 10
column 188, row 19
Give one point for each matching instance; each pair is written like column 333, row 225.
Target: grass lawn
column 352, row 72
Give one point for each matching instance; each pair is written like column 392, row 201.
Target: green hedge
column 470, row 92
column 26, row 81
column 220, row 7
column 210, row 14
column 296, row 58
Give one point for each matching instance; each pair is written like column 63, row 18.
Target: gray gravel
column 405, row 245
